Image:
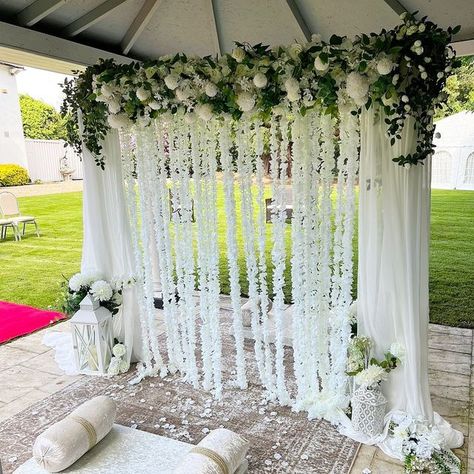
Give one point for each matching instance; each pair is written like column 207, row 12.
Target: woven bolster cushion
column 220, row 452
column 63, row 443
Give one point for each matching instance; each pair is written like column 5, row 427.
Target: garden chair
column 4, row 225
column 287, row 201
column 9, row 210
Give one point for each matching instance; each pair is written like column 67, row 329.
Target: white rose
column 395, row 79
column 260, row 80
column 419, row 50
column 119, row 350
column 319, row 65
column 211, row 89
column 154, row 105
column 422, row 27
column 238, row 54
column 172, row 81
column 427, row 60
column 204, row 111
column 357, row 86
column 118, row 120
column 106, row 90
column 316, row 38
column 246, row 101
column 407, row 108
column 295, row 50
column 424, row 75
column 143, row 94
column 101, row 290
column 384, row 66
column 405, row 99
column 440, row 75
column 114, row 106
column 412, row 30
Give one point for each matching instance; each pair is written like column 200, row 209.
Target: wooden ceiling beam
column 92, row 17
column 139, row 24
column 38, row 10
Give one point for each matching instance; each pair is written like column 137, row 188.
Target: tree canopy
column 41, row 120
column 460, row 89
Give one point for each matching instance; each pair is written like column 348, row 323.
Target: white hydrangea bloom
column 357, row 85
column 245, row 101
column 118, row 120
column 119, row 350
column 101, row 290
column 204, row 111
column 114, row 106
column 384, row 66
column 114, row 366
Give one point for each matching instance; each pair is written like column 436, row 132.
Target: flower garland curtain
column 172, row 185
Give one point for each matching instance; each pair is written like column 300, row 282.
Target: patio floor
column 29, row 374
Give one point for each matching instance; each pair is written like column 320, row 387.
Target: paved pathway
column 45, row 188
column 28, row 373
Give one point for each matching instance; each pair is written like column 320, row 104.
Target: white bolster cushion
column 230, row 448
column 63, row 443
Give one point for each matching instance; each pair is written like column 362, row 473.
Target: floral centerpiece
column 422, row 446
column 108, row 293
column 368, row 402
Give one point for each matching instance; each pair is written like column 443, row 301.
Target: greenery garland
column 403, row 71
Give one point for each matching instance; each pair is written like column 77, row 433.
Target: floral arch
column 161, row 129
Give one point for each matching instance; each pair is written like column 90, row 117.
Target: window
column 441, row 167
column 469, row 170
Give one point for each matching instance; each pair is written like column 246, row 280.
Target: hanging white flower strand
column 232, row 250
column 261, row 248
column 279, row 165
column 183, row 240
column 161, row 210
column 144, row 153
column 244, row 166
column 128, row 166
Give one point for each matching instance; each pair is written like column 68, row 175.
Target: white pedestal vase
column 368, row 411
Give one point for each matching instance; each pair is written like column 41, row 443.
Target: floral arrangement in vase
column 108, row 293
column 368, row 371
column 368, row 403
column 422, row 446
column 118, row 363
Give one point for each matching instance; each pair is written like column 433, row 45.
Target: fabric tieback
column 217, row 458
column 90, row 430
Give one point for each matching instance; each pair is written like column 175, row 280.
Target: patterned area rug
column 281, row 441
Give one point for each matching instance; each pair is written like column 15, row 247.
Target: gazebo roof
column 151, row 28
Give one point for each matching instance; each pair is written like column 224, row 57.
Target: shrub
column 13, row 175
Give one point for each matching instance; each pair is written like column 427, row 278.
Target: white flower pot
column 368, row 411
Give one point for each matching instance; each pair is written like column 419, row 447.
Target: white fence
column 44, row 160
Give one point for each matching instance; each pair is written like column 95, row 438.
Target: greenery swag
column 403, row 71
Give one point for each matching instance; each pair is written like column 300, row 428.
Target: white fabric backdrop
column 392, row 305
column 107, row 241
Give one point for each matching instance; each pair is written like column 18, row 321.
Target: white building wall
column 44, row 160
column 12, row 142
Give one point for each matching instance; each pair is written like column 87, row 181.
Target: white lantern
column 92, row 337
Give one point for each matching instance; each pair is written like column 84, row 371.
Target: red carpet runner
column 18, row 320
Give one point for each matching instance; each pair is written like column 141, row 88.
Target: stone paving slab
column 28, row 373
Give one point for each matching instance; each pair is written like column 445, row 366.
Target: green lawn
column 31, row 271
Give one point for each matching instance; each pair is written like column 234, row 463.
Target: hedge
column 13, row 175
